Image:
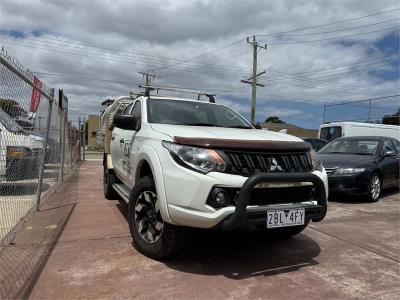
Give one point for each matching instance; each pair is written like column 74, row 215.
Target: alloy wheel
column 149, row 222
column 375, row 187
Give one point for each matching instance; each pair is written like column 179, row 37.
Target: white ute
column 20, row 152
column 182, row 163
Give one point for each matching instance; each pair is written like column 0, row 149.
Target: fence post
column 84, row 139
column 62, row 146
column 44, row 155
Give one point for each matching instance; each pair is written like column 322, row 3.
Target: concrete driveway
column 353, row 253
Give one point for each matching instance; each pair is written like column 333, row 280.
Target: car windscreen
column 9, row 123
column 330, row 133
column 192, row 113
column 351, row 146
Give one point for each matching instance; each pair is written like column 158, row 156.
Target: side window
column 127, row 109
column 137, row 113
column 397, row 145
column 387, row 146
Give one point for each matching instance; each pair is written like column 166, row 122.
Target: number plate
column 285, row 217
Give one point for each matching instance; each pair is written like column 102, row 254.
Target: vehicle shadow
column 241, row 253
column 244, row 253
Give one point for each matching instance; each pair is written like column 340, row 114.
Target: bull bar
column 239, row 216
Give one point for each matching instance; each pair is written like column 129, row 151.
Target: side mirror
column 390, row 154
column 126, row 122
column 256, row 125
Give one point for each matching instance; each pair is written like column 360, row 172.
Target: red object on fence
column 35, row 98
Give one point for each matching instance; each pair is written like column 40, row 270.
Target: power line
column 343, row 29
column 228, row 91
column 371, row 99
column 97, row 52
column 333, row 38
column 347, row 65
column 101, row 57
column 198, row 56
column 327, row 24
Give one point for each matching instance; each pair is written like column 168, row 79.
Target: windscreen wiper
column 239, row 126
column 199, row 124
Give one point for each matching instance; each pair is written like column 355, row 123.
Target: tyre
column 108, row 181
column 284, row 232
column 374, row 188
column 151, row 235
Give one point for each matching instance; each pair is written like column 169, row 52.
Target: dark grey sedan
column 361, row 165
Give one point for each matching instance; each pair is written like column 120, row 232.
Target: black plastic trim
column 239, row 216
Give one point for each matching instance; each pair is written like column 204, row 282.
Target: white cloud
column 185, row 29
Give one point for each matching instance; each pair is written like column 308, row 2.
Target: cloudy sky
column 318, row 52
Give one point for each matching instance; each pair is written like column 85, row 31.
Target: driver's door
column 128, row 142
column 389, row 164
column 117, row 145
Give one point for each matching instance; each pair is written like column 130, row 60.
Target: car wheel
column 108, row 181
column 282, row 233
column 151, row 235
column 374, row 188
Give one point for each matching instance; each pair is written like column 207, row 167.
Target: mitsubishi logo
column 275, row 167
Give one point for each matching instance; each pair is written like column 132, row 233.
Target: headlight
column 199, row 159
column 316, row 163
column 349, row 170
column 17, row 152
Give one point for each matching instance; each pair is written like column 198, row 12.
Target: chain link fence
column 38, row 144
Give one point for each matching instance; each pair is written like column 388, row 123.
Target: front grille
column 248, row 163
column 268, row 196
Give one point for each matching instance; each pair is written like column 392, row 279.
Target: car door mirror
column 126, row 122
column 390, row 154
column 256, row 125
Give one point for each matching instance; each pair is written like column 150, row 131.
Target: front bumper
column 349, row 183
column 187, row 191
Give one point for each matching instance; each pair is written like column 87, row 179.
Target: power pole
column 84, row 140
column 253, row 80
column 147, row 76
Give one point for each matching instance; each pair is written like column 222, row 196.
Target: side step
column 122, row 190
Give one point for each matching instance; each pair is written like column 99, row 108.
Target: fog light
column 219, row 198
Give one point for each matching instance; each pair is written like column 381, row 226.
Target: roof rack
column 149, row 88
column 134, row 95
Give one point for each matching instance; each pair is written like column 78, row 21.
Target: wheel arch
column 107, row 161
column 148, row 163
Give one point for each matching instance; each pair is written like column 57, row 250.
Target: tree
column 392, row 119
column 12, row 108
column 273, row 119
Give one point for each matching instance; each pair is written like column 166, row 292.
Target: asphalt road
column 353, row 254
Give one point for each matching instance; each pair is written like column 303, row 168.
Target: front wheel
column 151, row 235
column 374, row 188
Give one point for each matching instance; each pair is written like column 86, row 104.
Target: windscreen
column 351, row 146
column 331, row 133
column 9, row 123
column 191, row 113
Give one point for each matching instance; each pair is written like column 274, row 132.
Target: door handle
column 112, row 137
column 121, row 141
